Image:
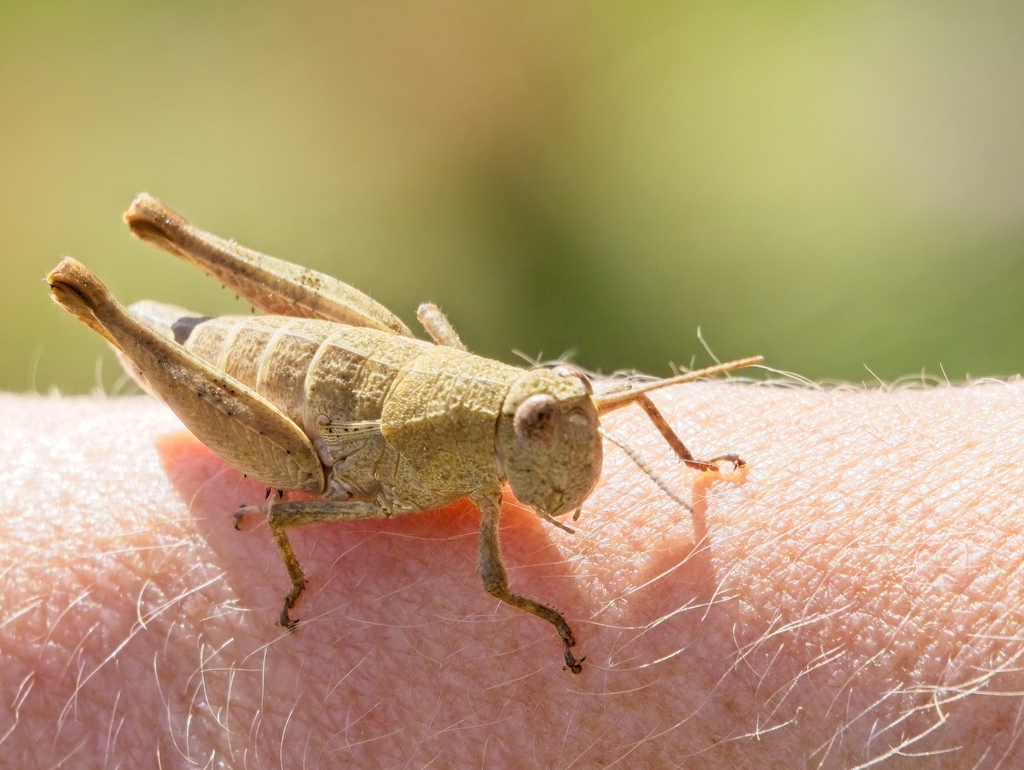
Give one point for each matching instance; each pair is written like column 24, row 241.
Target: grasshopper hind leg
column 237, row 423
column 270, row 284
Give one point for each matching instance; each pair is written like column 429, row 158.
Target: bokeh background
column 838, row 186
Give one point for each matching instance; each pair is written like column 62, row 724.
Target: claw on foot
column 568, row 641
column 713, row 464
column 242, row 511
column 571, row 663
column 736, row 461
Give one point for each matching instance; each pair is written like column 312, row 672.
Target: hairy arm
column 854, row 597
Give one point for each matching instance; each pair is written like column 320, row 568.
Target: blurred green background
column 833, row 185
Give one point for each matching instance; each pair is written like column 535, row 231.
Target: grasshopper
column 329, row 394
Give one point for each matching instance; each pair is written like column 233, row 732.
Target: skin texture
column 854, row 597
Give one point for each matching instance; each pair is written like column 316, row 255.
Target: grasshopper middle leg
column 281, row 515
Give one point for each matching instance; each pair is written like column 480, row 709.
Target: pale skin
column 457, row 422
column 856, row 595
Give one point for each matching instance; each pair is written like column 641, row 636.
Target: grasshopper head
column 548, row 440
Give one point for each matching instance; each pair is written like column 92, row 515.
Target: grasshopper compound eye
column 538, row 422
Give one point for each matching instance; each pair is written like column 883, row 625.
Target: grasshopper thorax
column 548, row 440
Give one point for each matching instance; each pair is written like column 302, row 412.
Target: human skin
column 854, row 596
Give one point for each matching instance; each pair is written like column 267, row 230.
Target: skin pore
column 852, row 598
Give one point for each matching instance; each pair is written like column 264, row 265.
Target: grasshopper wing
column 334, row 433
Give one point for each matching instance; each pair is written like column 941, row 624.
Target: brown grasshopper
column 330, row 394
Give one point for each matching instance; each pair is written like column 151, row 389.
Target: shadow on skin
column 675, row 602
column 405, row 572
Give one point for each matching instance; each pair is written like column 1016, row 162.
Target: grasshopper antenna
column 642, row 465
column 631, row 392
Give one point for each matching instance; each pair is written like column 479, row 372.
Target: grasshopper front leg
column 495, row 578
column 684, row 454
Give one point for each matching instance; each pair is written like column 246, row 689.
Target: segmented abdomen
column 307, row 368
